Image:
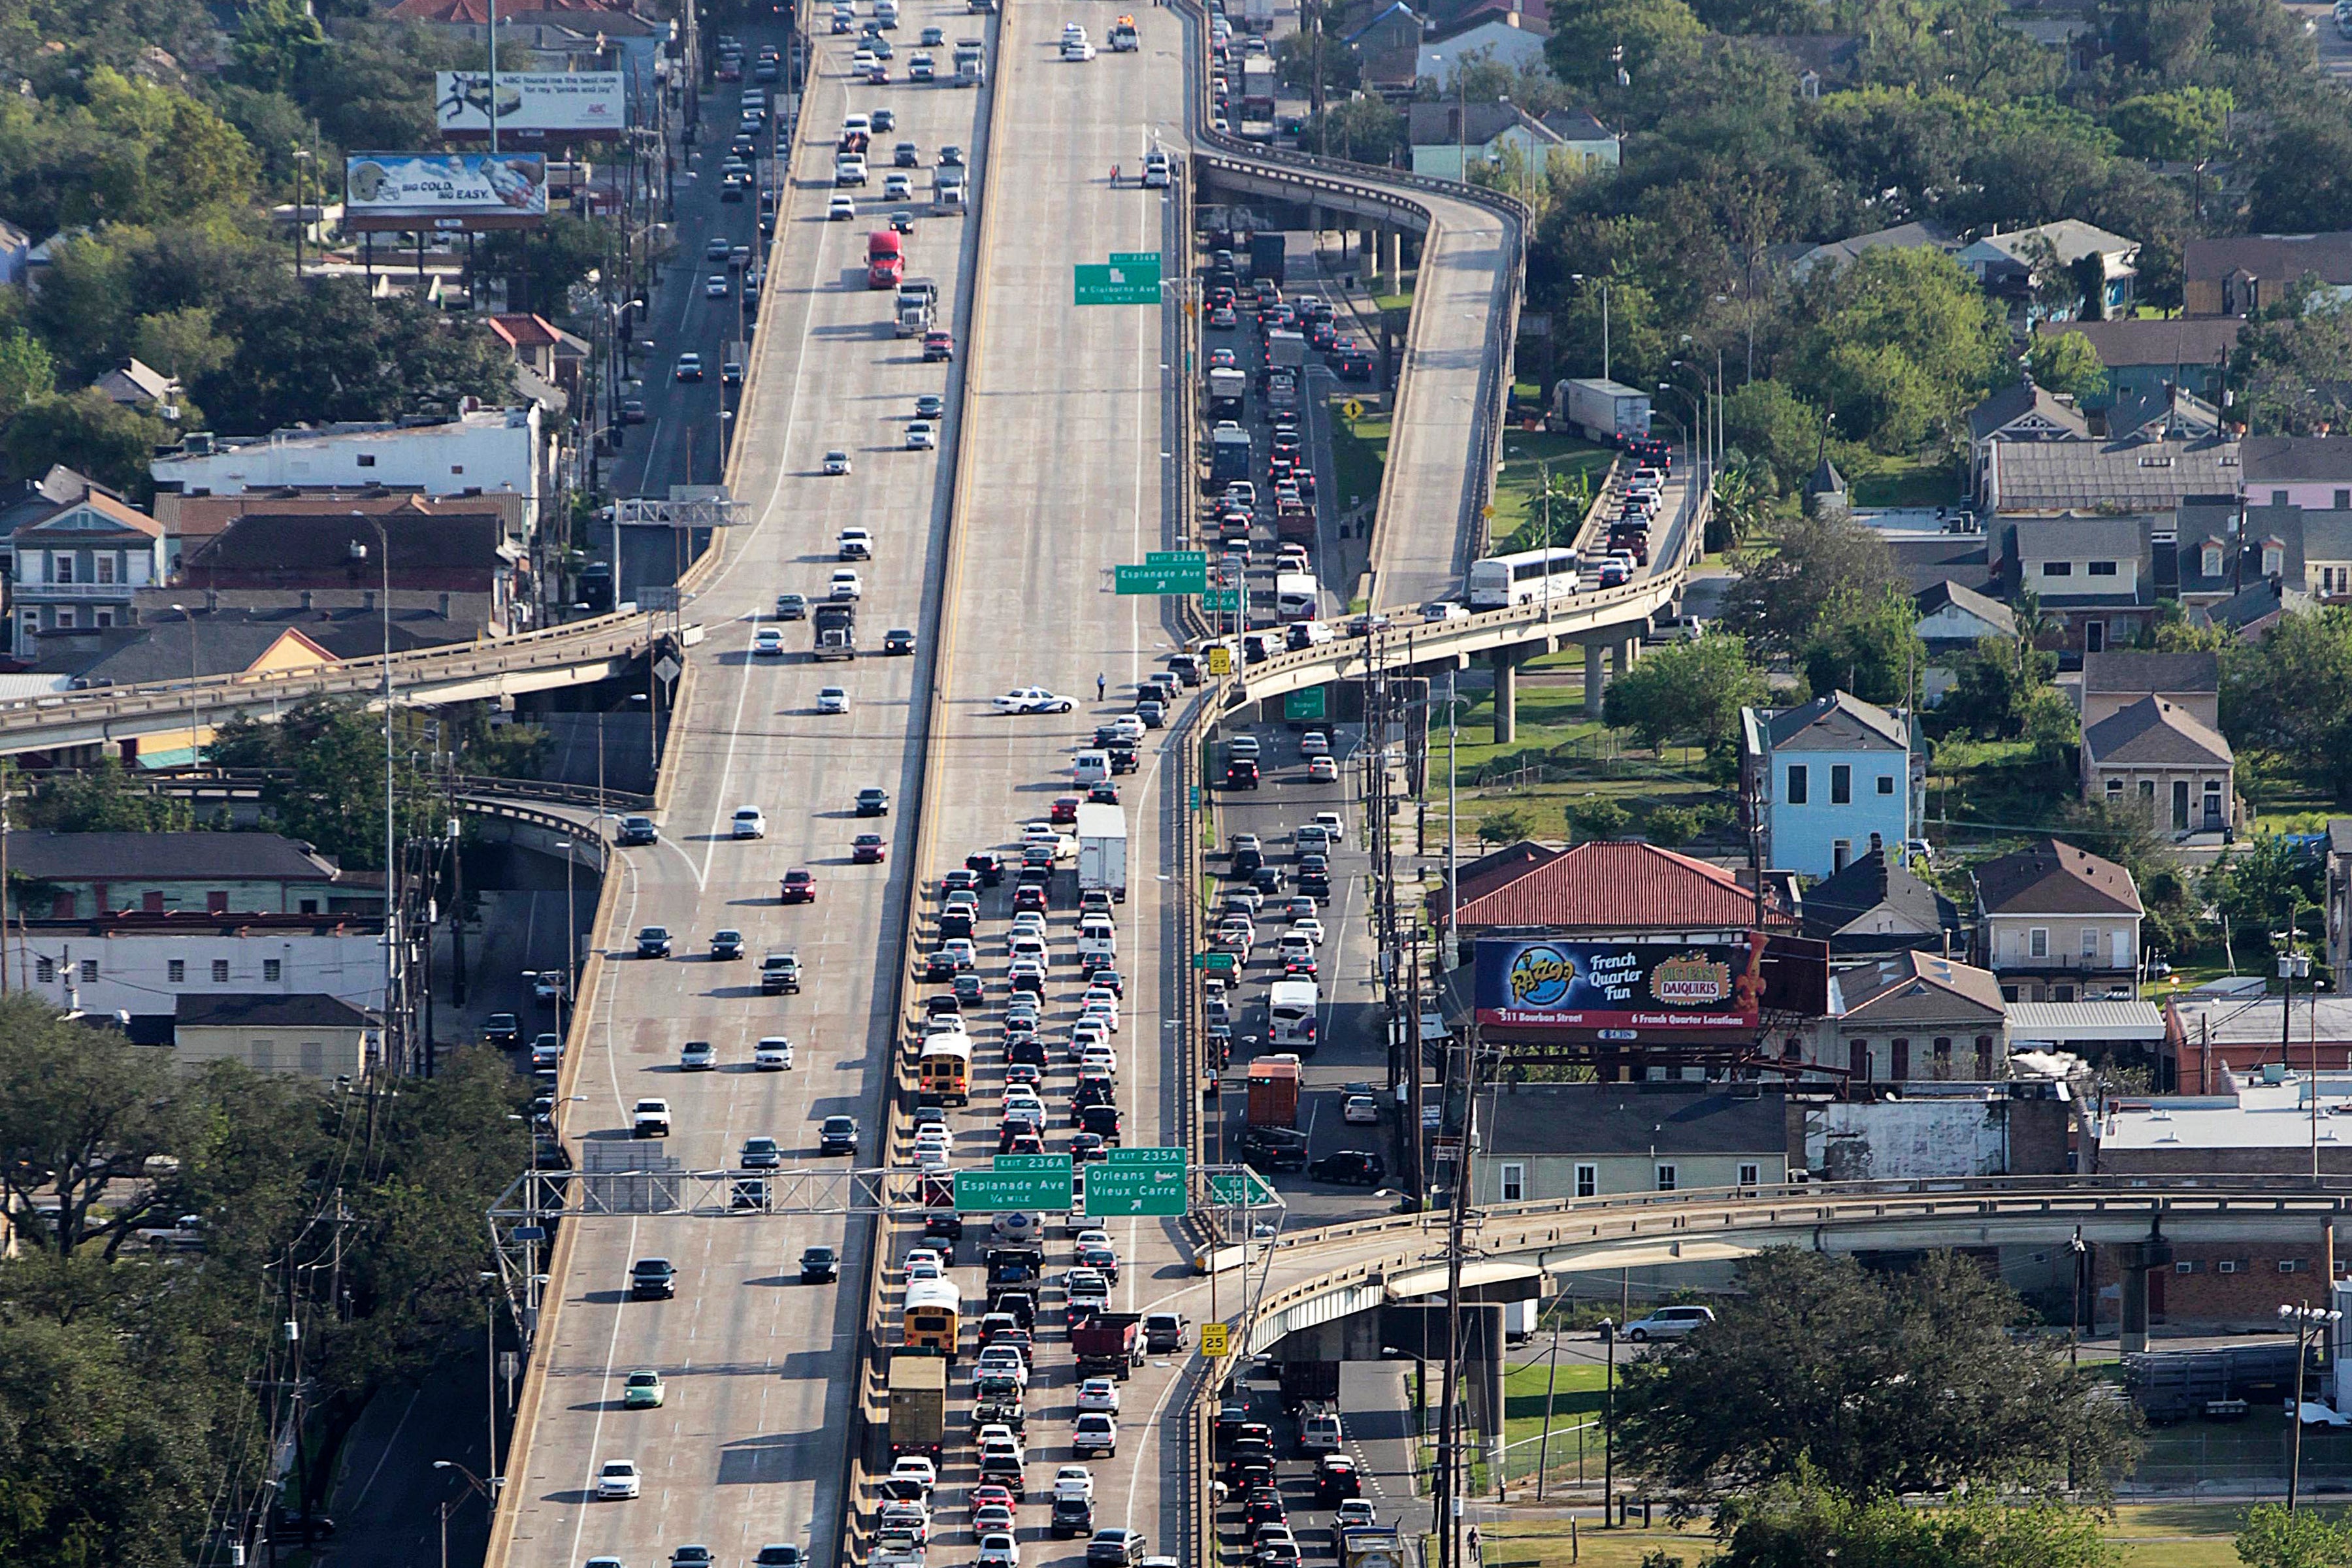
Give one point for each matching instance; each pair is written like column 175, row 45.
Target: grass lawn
column 1909, row 482
column 1576, row 1401
column 1523, row 452
column 1359, row 448
column 1579, row 761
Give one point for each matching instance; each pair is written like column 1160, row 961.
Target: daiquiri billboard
column 1532, row 983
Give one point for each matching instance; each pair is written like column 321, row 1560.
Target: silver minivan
column 1669, row 1323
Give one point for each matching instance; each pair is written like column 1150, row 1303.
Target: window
column 105, row 565
column 367, row 460
column 2210, row 561
column 270, row 968
column 1797, row 782
column 67, row 620
column 2090, row 942
column 1514, row 1183
column 220, row 971
column 2278, row 497
column 103, row 618
column 1887, row 783
column 1666, row 1178
column 310, row 906
column 1841, row 855
column 2115, row 791
column 2226, row 1266
column 2037, row 943
column 457, row 468
column 2180, row 804
column 2184, row 1265
column 1899, row 1063
column 61, row 567
column 2344, row 501
column 1984, row 1055
column 45, row 970
column 1588, row 1181
column 2273, row 558
column 1840, row 783
column 1943, row 1057
column 89, row 970
column 2293, row 1266
column 1751, row 1174
column 2062, row 993
column 2057, row 568
column 175, row 971
column 2100, row 568
column 2095, row 636
column 1857, row 1060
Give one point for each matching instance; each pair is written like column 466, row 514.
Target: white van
column 1097, row 943
column 1318, row 1429
column 1091, row 768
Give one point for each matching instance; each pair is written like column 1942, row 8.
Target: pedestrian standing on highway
column 1102, row 684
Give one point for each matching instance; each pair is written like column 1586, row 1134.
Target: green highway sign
column 1221, row 599
column 1163, row 576
column 1134, row 281
column 1245, row 1188
column 1176, row 558
column 1157, row 1159
column 1224, row 960
column 1135, row 259
column 1192, row 797
column 1135, row 1190
column 1305, row 704
column 998, row 1192
column 1056, row 1163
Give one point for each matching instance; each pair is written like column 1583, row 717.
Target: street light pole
column 2307, row 1319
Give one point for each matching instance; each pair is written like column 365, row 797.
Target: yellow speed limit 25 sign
column 1216, row 1340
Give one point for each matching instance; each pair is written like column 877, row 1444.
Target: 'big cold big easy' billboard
column 444, row 190
column 1532, row 983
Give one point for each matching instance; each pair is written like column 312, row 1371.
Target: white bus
column 1529, row 577
column 1292, row 1008
column 1296, row 597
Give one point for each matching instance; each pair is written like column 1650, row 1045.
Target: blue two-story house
column 1832, row 780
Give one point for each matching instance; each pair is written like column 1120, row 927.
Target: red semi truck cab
column 886, row 259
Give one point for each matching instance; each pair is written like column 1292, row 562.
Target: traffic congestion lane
column 1350, row 1048
column 1066, row 426
column 758, row 1366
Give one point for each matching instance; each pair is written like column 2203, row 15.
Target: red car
column 867, row 849
column 983, row 1496
column 1065, row 809
column 800, row 887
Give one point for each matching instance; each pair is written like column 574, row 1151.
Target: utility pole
column 1413, row 1138
column 1449, row 1425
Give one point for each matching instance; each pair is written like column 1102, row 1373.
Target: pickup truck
column 779, row 972
column 649, row 1119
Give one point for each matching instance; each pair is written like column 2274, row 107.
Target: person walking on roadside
column 1102, row 685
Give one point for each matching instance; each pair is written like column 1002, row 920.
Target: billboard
column 1532, row 983
column 533, row 106
column 444, row 190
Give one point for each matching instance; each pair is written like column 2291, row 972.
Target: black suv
column 988, row 865
column 837, row 1135
column 638, row 830
column 1239, row 774
column 504, row 1030
column 819, row 1265
column 1073, row 1514
column 1350, row 1167
column 652, row 1279
column 1275, row 1148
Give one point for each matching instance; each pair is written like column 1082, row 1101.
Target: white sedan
column 1034, row 699
column 1310, row 929
column 751, row 822
column 1099, row 1393
column 616, row 1480
column 922, row 436
column 1360, row 1111
column 832, row 700
column 768, row 643
column 1322, row 770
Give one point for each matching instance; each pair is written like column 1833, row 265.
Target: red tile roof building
column 1618, row 887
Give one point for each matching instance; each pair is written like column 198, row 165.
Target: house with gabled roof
column 2058, row 924
column 2114, row 680
column 1615, row 887
column 2022, row 412
column 1912, row 1016
column 1833, row 779
column 82, row 565
column 2174, row 766
column 1879, row 905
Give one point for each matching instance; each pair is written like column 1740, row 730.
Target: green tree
column 332, row 352
column 2066, row 362
column 279, row 41
column 1798, row 1523
column 2300, row 175
column 1632, row 321
column 1995, row 686
column 1866, row 645
column 1883, row 1385
column 2183, row 123
column 2271, row 1537
column 1787, row 584
column 88, row 432
column 1656, row 37
column 1363, row 128
column 103, row 799
column 1767, row 420
column 1505, row 827
column 2291, row 363
column 2290, row 697
column 1899, row 344
column 81, row 1111
column 1688, row 691
column 182, row 344
column 2265, row 886
column 333, row 795
column 548, row 261
column 1294, row 62
column 27, row 374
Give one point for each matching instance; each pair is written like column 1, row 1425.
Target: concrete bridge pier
column 2134, row 1261
column 1392, row 258
column 1506, row 662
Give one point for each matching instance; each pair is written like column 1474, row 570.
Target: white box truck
column 1102, row 850
column 1604, row 411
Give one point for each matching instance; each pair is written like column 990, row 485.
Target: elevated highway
column 578, row 653
column 1455, row 377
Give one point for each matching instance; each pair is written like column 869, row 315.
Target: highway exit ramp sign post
column 1305, row 704
column 1131, row 279
column 1147, row 1181
column 1215, row 1341
column 1243, row 1189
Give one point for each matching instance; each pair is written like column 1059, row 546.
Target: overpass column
column 2134, row 1260
column 1507, row 695
column 1596, row 679
column 1392, row 258
column 1627, row 647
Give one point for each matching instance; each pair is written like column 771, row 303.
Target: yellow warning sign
column 1352, row 408
column 1220, row 660
column 1215, row 1341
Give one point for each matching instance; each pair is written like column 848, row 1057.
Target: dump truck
column 1274, row 1092
column 1108, row 1343
column 919, row 1404
column 835, row 624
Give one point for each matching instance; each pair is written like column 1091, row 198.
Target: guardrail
column 580, row 642
column 235, row 781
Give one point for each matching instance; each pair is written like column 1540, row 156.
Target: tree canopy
column 1787, row 586
column 1688, row 691
column 1869, row 1384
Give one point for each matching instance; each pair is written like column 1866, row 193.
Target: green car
column 644, row 1391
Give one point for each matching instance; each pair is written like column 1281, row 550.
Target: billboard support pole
column 494, row 78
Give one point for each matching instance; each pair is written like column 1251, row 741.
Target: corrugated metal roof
column 2083, row 1023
